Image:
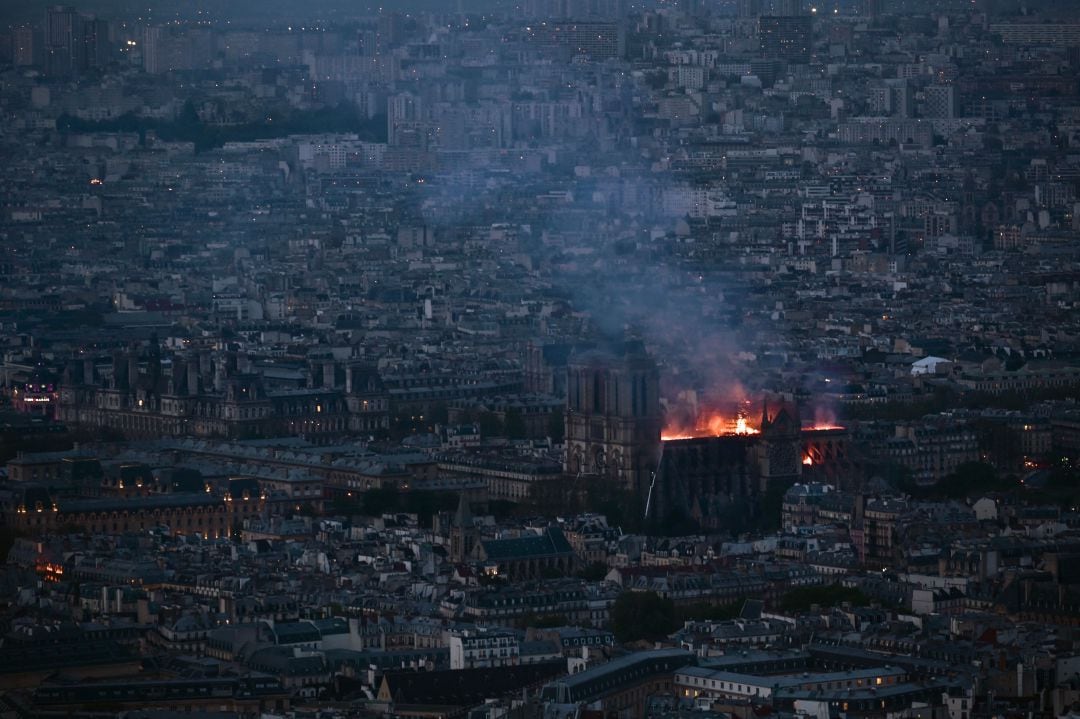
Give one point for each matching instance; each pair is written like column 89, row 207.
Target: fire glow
column 710, row 425
column 687, row 421
column 824, row 421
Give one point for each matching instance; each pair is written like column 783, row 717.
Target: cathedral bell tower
column 613, row 416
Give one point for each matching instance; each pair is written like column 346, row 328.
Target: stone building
column 718, row 480
column 613, row 416
column 35, row 511
column 206, row 395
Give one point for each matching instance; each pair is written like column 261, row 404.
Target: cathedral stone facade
column 613, row 416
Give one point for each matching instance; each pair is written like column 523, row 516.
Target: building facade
column 613, row 416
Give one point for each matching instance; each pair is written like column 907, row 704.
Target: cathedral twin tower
column 613, row 417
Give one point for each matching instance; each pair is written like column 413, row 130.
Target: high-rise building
column 786, row 37
column 576, row 9
column 92, row 46
column 24, row 47
column 784, row 8
column 61, row 30
column 749, row 8
column 595, row 39
column 879, row 101
column 893, row 98
column 404, row 117
column 766, row 70
column 390, row 32
column 152, row 50
column 903, row 98
column 1021, row 33
column 367, row 43
column 939, row 101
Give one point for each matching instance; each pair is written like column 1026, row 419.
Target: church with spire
column 532, row 555
column 462, row 533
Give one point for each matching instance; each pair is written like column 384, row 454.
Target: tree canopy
column 642, row 615
column 801, row 599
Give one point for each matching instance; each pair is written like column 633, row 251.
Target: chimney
column 349, row 380
column 328, row 375
column 88, row 371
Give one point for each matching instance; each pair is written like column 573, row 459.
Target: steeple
column 462, row 532
column 463, row 516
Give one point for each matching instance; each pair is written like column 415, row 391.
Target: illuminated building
column 718, row 480
column 35, row 511
column 483, row 648
column 205, row 396
column 36, row 397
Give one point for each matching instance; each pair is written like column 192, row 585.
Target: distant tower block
column 613, row 416
column 786, row 37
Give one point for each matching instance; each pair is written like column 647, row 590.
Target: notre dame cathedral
column 718, row 481
column 613, row 430
column 613, row 416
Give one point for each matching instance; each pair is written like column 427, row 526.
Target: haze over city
column 548, row 359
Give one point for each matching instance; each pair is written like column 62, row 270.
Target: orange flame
column 824, row 419
column 710, row 425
